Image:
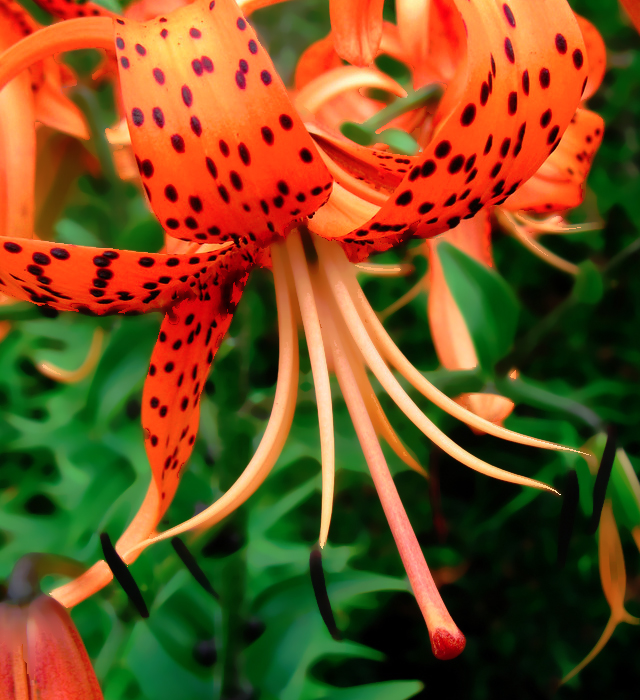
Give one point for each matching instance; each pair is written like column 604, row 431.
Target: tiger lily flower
column 248, row 188
column 41, row 653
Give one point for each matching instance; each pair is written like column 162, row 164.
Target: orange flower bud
column 42, row 655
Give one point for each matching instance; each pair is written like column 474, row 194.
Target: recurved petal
column 189, row 338
column 559, row 182
column 57, row 662
column 522, row 59
column 71, row 10
column 98, row 281
column 449, row 332
column 357, row 29
column 613, row 575
column 243, row 175
column 596, row 55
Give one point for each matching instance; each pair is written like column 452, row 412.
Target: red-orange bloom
column 42, row 655
column 227, row 163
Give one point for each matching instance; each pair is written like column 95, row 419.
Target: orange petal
column 17, row 158
column 57, row 662
column 144, row 10
column 319, row 58
column 559, row 183
column 633, row 10
column 63, row 9
column 189, row 337
column 596, row 54
column 96, row 280
column 13, row 672
column 488, row 138
column 438, row 56
column 613, row 575
column 244, row 174
column 54, row 108
column 357, row 29
column 340, row 80
column 378, row 168
column 449, row 332
column 413, row 26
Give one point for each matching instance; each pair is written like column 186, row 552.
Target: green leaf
column 486, row 303
column 588, row 287
column 387, row 690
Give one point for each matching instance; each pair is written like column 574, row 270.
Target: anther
column 192, row 566
column 602, row 479
column 122, row 575
column 320, row 592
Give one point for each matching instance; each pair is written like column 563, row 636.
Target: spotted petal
column 559, row 183
column 222, row 153
column 68, row 9
column 97, row 280
column 522, row 59
column 596, row 54
column 182, row 357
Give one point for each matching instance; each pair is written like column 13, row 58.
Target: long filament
column 320, row 372
column 392, row 386
column 71, row 376
column 446, row 639
column 394, row 355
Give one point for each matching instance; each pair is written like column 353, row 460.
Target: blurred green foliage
column 73, row 463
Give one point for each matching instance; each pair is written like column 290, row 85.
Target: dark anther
column 192, row 566
column 567, row 515
column 602, row 479
column 122, row 575
column 320, row 591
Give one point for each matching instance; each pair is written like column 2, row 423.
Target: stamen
column 420, row 286
column 320, row 372
column 602, row 479
column 72, row 376
column 277, row 430
column 122, row 575
column 520, row 234
column 378, row 416
column 392, row 386
column 322, row 596
column 382, row 270
column 365, row 134
column 447, row 641
column 553, row 225
column 570, row 496
column 394, row 356
column 72, row 34
column 192, row 566
column 315, row 94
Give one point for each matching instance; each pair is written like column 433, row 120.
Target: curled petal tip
column 447, row 644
